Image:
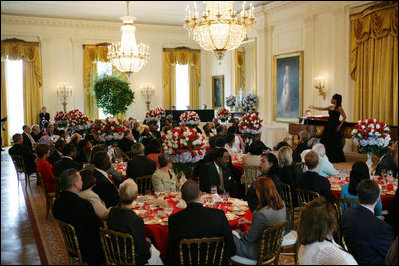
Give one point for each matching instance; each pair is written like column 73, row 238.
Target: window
column 15, row 96
column 103, row 68
column 182, row 87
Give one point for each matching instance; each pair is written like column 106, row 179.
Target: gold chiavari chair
column 71, row 242
column 201, row 251
column 144, row 184
column 118, row 247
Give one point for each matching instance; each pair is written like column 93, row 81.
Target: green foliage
column 112, row 94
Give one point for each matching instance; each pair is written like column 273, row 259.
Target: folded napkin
column 237, row 202
column 182, row 204
column 216, row 198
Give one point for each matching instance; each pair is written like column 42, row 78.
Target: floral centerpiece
column 155, row 114
column 223, row 114
column 250, row 102
column 190, row 118
column 77, row 120
column 60, row 120
column 250, row 125
column 231, row 101
column 185, row 146
column 108, row 130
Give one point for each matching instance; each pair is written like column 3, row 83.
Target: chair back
column 305, row 196
column 202, row 251
column 129, row 154
column 71, row 242
column 118, row 247
column 18, row 163
column 251, row 173
column 144, row 183
column 301, row 165
column 270, row 245
column 49, row 196
column 289, row 205
column 345, row 204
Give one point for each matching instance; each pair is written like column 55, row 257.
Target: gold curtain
column 181, row 56
column 29, row 52
column 374, row 63
column 240, row 71
column 4, row 134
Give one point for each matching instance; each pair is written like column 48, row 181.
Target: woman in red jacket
column 44, row 167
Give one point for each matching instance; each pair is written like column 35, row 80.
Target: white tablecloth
column 272, row 135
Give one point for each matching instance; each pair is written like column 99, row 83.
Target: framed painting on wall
column 218, row 91
column 287, row 86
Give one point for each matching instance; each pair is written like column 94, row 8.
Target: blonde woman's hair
column 284, row 156
column 142, row 127
column 128, row 191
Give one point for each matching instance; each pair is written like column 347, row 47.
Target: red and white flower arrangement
column 185, row 145
column 250, row 124
column 155, row 114
column 190, row 118
column 60, row 119
column 371, row 135
column 223, row 114
column 109, row 129
column 77, row 120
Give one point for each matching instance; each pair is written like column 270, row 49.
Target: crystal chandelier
column 127, row 56
column 220, row 29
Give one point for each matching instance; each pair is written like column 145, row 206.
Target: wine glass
column 383, row 172
column 225, row 197
column 140, row 201
column 389, row 173
column 169, row 208
column 214, row 190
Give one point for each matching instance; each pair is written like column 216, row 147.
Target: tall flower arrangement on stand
column 250, row 125
column 155, row 114
column 250, row 102
column 109, row 130
column 190, row 119
column 185, row 146
column 231, row 101
column 60, row 120
column 223, row 114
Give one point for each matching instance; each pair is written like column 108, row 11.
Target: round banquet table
column 387, row 187
column 159, row 232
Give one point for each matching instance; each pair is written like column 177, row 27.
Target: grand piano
column 316, row 124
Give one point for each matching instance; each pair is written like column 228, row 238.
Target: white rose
column 377, row 126
column 363, row 127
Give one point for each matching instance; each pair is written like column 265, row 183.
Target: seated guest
column 35, row 132
column 153, row 150
column 392, row 255
column 387, row 162
column 57, row 155
column 232, row 145
column 51, row 131
column 139, row 165
column 269, row 212
column 208, row 130
column 311, row 180
column 234, row 127
column 204, row 106
column 218, row 132
column 325, row 167
column 392, row 217
column 304, row 137
column 68, row 161
column 164, row 177
column 135, row 132
column 88, row 182
column 359, row 172
column 83, row 155
column 154, row 132
column 116, row 176
column 315, row 236
column 128, row 140
column 215, row 125
column 122, row 219
column 216, row 173
column 368, row 238
column 90, row 138
column 45, row 138
column 62, row 135
column 288, row 172
column 255, row 153
column 105, row 187
column 21, row 150
column 194, row 222
column 28, row 140
column 268, row 168
column 75, row 139
column 281, row 144
column 72, row 209
column 44, row 167
column 145, row 136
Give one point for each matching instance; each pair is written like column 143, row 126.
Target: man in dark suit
column 57, row 155
column 126, row 143
column 25, row 152
column 84, row 153
column 105, row 186
column 196, row 221
column 387, row 162
column 368, row 238
column 72, row 209
column 68, row 161
column 28, row 141
column 304, row 136
column 141, row 165
column 311, row 180
column 154, row 129
column 44, row 117
column 216, row 173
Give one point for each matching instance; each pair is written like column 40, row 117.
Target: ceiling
column 146, row 12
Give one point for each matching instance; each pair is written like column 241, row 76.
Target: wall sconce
column 63, row 91
column 320, row 84
column 148, row 91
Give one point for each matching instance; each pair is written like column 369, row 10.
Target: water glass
column 214, row 190
column 225, row 196
column 169, row 208
column 140, row 201
column 389, row 173
column 383, row 172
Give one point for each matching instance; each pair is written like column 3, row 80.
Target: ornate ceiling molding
column 278, row 5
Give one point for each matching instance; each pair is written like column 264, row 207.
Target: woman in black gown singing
column 332, row 134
